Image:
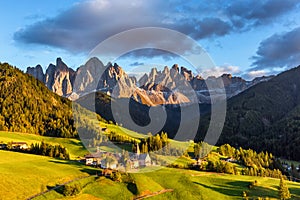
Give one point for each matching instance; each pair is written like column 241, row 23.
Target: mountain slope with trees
column 26, row 105
column 266, row 116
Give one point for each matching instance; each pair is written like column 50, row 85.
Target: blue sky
column 245, row 38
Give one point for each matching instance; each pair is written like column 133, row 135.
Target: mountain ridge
column 168, row 86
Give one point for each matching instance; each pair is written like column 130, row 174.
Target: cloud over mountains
column 84, row 25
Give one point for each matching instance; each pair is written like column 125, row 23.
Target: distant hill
column 26, row 105
column 266, row 116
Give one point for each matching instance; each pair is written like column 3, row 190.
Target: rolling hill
column 182, row 184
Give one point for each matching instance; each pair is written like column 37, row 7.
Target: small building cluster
column 107, row 160
column 19, row 145
column 14, row 145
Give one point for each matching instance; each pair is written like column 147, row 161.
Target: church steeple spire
column 137, row 149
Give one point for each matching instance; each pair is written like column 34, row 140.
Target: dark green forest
column 266, row 117
column 27, row 106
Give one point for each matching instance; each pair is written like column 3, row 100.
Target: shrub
column 71, row 190
column 117, row 176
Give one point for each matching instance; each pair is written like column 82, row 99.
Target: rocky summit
column 175, row 85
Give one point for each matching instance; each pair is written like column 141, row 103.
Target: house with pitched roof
column 144, row 160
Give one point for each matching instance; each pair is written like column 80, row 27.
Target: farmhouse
column 140, row 160
column 19, row 145
column 144, row 160
column 94, row 159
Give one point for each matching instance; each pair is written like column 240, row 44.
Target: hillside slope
column 26, row 105
column 267, row 116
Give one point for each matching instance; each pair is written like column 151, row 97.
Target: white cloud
column 256, row 73
column 220, row 70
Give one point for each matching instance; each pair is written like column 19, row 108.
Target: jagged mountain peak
column 36, row 72
column 229, row 76
column 187, row 74
column 175, row 67
column 94, row 60
column 166, row 70
column 156, row 85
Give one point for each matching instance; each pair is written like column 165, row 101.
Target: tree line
column 43, row 149
column 158, row 143
column 255, row 164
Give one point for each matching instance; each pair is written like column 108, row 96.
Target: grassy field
column 186, row 184
column 23, row 175
column 74, row 146
column 203, row 185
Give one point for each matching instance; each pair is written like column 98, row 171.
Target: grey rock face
column 169, row 86
column 59, row 78
column 37, row 72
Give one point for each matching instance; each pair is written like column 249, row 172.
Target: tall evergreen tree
column 284, row 192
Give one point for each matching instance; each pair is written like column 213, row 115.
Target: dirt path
column 153, row 194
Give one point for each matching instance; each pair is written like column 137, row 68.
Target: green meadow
column 23, row 175
column 186, row 184
column 74, row 146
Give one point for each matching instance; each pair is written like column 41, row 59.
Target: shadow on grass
column 230, row 191
column 295, row 192
column 82, row 167
column 92, row 171
column 235, row 188
column 58, row 188
column 76, row 143
column 67, row 162
column 132, row 188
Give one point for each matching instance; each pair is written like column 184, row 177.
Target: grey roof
column 143, row 156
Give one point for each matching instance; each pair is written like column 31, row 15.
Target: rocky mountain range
column 58, row 78
column 170, row 86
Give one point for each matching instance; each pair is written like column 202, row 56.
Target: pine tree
column 284, row 192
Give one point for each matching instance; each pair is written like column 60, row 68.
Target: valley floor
column 24, row 175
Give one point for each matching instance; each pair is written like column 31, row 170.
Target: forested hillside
column 26, row 105
column 266, row 117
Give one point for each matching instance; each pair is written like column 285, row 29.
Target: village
column 124, row 161
column 105, row 160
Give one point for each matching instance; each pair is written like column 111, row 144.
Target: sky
column 244, row 38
